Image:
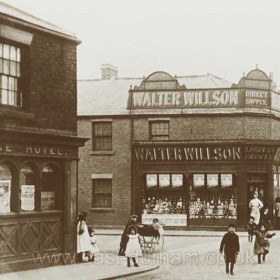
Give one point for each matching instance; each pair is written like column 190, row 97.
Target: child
column 262, row 244
column 133, row 249
column 94, row 247
column 265, row 219
column 83, row 242
column 251, row 227
column 230, row 245
column 158, row 228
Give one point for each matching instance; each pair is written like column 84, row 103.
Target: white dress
column 255, row 205
column 133, row 247
column 83, row 241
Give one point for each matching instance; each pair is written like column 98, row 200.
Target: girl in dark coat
column 132, row 222
column 251, row 227
column 261, row 247
column 230, row 245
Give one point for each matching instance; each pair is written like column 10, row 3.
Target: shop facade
column 198, row 152
column 38, row 141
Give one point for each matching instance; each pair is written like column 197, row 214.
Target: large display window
column 165, row 199
column 213, row 198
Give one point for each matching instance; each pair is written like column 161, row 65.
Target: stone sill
column 13, row 112
column 101, row 153
column 102, row 210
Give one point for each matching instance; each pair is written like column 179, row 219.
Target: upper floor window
column 102, row 136
column 10, row 60
column 159, row 130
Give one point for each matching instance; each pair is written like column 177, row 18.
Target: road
column 199, row 258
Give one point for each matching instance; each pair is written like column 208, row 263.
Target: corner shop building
column 189, row 150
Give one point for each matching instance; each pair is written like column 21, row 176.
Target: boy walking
column 230, row 246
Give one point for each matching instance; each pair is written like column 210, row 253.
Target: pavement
column 108, row 265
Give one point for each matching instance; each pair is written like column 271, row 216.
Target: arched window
column 27, row 188
column 48, row 191
column 5, row 188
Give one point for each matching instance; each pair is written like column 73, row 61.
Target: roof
column 36, row 22
column 109, row 97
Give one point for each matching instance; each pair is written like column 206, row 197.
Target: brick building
column 190, row 150
column 38, row 139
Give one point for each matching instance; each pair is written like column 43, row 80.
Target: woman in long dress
column 255, row 205
column 83, row 240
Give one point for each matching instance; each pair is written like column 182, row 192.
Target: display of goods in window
column 5, row 196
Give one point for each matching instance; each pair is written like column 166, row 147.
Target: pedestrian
column 262, row 245
column 133, row 248
column 266, row 218
column 255, row 205
column 133, row 221
column 277, row 213
column 94, row 249
column 83, row 241
column 250, row 228
column 158, row 230
column 231, row 248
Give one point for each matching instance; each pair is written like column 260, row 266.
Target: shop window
column 27, row 188
column 48, row 189
column 102, row 136
column 164, row 194
column 213, row 198
column 159, row 130
column 102, row 193
column 5, row 188
column 10, row 75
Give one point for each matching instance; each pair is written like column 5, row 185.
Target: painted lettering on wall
column 256, row 97
column 204, row 153
column 37, row 150
column 187, row 153
column 186, row 99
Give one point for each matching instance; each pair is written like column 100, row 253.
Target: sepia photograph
column 139, row 140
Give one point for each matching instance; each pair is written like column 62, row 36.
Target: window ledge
column 13, row 112
column 101, row 153
column 102, row 210
column 30, row 213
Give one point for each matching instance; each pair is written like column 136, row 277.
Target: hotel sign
column 37, row 150
column 185, row 99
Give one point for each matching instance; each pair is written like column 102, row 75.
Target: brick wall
column 118, row 164
column 214, row 128
column 49, row 91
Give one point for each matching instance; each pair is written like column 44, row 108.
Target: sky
column 181, row 37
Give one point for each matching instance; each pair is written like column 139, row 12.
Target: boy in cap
column 230, row 246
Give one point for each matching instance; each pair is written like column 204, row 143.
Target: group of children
column 230, row 242
column 130, row 246
column 86, row 240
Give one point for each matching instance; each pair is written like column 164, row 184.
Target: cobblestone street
column 199, row 258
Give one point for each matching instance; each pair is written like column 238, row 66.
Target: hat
column 231, row 225
column 134, row 216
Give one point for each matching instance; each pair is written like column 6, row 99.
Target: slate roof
column 15, row 13
column 109, row 97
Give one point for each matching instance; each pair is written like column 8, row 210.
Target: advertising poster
column 47, row 200
column 164, row 180
column 151, row 180
column 198, row 180
column 5, row 195
column 212, row 180
column 27, row 197
column 226, row 180
column 177, row 181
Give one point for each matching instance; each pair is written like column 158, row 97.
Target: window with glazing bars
column 102, row 193
column 102, row 136
column 159, row 130
column 10, row 58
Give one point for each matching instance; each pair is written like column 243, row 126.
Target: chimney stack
column 109, row 72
